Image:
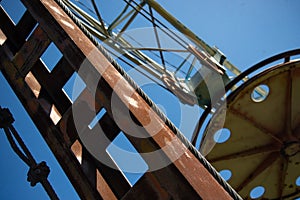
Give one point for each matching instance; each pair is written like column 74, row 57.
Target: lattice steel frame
column 50, row 109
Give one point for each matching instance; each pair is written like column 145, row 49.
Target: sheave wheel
column 258, row 149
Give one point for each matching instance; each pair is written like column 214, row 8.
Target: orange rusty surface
column 191, row 169
column 75, row 46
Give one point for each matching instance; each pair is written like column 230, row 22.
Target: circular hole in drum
column 298, row 181
column 222, row 135
column 260, row 93
column 257, row 192
column 226, row 174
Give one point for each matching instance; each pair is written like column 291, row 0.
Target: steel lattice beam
column 41, row 94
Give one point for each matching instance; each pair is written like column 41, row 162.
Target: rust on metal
column 31, row 51
column 40, row 92
column 264, row 134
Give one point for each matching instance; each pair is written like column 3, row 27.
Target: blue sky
column 246, row 31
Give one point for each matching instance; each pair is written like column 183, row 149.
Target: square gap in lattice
column 129, row 161
column 33, row 84
column 77, row 150
column 27, row 38
column 14, row 8
column 3, row 37
column 73, row 87
column 51, row 56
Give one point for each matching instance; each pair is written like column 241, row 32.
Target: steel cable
column 177, row 132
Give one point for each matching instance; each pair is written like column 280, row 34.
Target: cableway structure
column 262, row 149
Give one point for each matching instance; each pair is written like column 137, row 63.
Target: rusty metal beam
column 154, row 189
column 103, row 188
column 31, row 51
column 282, row 175
column 113, row 177
column 36, row 107
column 184, row 178
column 256, row 125
column 168, row 177
column 51, row 87
column 76, row 43
column 49, row 131
column 265, row 164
